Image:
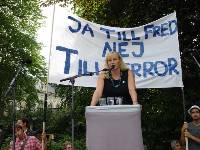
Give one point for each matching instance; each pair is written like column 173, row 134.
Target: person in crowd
column 118, row 81
column 191, row 130
column 24, row 142
column 1, row 135
column 67, row 145
column 176, row 145
column 25, row 125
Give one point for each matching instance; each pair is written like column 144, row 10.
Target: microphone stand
column 12, row 86
column 72, row 81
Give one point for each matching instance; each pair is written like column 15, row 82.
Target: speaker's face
column 113, row 60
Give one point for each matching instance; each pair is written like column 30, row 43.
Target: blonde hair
column 123, row 66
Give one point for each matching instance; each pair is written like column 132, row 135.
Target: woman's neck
column 116, row 74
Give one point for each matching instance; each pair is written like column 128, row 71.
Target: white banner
column 150, row 51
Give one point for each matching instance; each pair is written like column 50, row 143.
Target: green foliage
column 6, row 143
column 19, row 23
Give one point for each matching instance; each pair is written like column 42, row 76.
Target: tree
column 19, row 21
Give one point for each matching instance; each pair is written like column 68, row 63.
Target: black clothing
column 117, row 88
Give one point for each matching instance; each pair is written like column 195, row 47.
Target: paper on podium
column 116, row 127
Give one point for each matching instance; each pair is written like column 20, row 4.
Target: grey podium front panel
column 115, row 127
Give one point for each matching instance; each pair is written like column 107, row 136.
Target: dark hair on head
column 25, row 120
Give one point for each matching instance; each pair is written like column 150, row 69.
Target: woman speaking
column 117, row 85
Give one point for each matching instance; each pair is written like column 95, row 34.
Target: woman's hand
column 135, row 102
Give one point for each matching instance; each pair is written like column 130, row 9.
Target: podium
column 116, row 127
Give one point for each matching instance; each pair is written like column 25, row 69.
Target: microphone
column 112, row 67
column 109, row 69
column 105, row 69
column 26, row 61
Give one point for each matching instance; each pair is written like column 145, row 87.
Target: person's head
column 67, row 146
column 176, row 145
column 114, row 58
column 194, row 112
column 23, row 122
column 19, row 132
